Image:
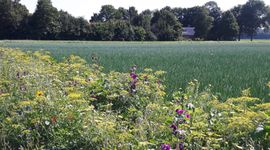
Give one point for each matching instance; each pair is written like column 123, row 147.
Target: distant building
column 188, row 32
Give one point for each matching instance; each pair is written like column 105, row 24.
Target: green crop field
column 228, row 66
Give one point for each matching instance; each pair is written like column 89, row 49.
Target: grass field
column 228, row 66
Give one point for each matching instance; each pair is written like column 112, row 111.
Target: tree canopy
column 228, row 26
column 165, row 26
column 110, row 23
column 12, row 18
column 45, row 21
column 251, row 15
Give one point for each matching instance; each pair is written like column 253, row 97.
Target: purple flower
column 188, row 116
column 165, row 147
column 174, row 127
column 133, row 76
column 181, row 146
column 180, row 111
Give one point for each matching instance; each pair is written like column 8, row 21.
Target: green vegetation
column 45, row 104
column 228, row 66
column 121, row 24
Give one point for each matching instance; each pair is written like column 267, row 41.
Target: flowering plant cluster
column 73, row 105
column 47, row 104
column 181, row 123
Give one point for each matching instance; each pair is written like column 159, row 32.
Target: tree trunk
column 251, row 37
column 239, row 34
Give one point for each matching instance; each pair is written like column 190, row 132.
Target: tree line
column 120, row 24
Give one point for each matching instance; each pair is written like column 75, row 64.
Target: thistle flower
column 188, row 116
column 174, row 127
column 133, row 76
column 165, row 147
column 181, row 146
column 179, row 111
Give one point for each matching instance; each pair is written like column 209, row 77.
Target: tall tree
column 199, row 18
column 228, row 26
column 123, row 31
column 12, row 18
column 106, row 13
column 67, row 23
column 179, row 13
column 139, row 34
column 121, row 14
column 166, row 26
column 144, row 20
column 251, row 15
column 214, row 10
column 82, row 29
column 45, row 21
column 237, row 14
column 216, row 14
column 102, row 31
column 133, row 13
column 266, row 18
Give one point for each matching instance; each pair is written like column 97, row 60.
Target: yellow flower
column 74, row 95
column 39, row 93
column 25, row 103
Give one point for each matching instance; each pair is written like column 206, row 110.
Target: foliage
column 48, row 23
column 13, row 15
column 165, row 26
column 199, row 18
column 252, row 16
column 216, row 14
column 183, row 61
column 229, row 28
column 237, row 14
column 44, row 21
column 106, row 13
column 71, row 104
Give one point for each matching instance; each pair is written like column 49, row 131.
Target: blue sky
column 86, row 8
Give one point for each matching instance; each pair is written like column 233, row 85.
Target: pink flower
column 179, row 111
column 165, row 147
column 133, row 76
column 188, row 116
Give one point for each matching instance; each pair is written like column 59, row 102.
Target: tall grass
column 228, row 66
